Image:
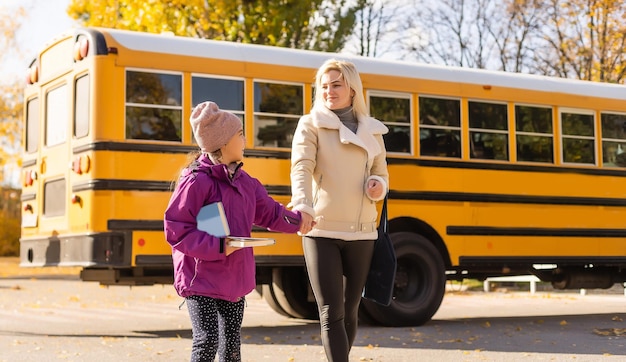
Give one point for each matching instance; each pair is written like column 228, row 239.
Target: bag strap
column 384, row 222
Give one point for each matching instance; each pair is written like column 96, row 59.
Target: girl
column 212, row 276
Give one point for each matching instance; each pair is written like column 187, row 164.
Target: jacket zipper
column 317, row 191
column 195, row 272
column 358, row 219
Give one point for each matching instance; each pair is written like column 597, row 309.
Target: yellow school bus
column 491, row 173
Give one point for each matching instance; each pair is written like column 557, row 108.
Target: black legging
column 328, row 261
column 215, row 322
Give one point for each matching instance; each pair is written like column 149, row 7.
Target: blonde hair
column 351, row 77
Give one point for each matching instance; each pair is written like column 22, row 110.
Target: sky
column 44, row 20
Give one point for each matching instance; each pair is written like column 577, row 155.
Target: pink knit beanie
column 212, row 127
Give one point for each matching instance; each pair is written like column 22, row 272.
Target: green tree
column 305, row 24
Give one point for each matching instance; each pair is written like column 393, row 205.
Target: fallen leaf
column 610, row 331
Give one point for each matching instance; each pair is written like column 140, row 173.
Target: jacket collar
column 366, row 133
column 218, row 170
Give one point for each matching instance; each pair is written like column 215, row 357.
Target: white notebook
column 242, row 242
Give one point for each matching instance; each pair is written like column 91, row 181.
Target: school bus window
column 81, row 107
column 153, row 106
column 488, row 131
column 613, row 139
column 533, row 134
column 32, row 126
column 277, row 108
column 57, row 116
column 578, row 138
column 395, row 113
column 440, row 127
column 227, row 93
column 54, row 198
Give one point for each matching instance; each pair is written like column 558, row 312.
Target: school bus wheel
column 290, row 290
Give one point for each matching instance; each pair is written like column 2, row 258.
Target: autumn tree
column 584, row 39
column 305, row 24
column 514, row 32
column 489, row 34
column 10, row 131
column 375, row 25
column 10, row 91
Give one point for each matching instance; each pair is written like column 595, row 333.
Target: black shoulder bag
column 382, row 273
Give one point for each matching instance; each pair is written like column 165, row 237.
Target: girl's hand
column 306, row 223
column 229, row 249
column 374, row 189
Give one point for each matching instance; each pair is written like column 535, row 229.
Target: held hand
column 306, row 224
column 229, row 249
column 374, row 189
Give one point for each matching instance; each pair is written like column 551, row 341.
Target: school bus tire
column 290, row 288
column 419, row 286
column 270, row 299
column 364, row 317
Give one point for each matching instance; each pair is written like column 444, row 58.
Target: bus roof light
column 81, row 49
column 32, row 75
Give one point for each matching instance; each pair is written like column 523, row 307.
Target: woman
column 338, row 173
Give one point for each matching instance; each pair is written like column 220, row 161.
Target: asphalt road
column 59, row 318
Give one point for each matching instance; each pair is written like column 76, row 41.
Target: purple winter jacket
column 199, row 267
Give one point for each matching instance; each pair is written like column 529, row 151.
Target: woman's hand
column 374, row 189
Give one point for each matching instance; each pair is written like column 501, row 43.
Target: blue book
column 212, row 220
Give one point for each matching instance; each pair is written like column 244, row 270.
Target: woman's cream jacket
column 330, row 168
